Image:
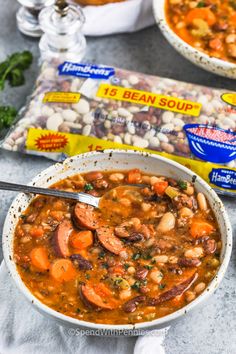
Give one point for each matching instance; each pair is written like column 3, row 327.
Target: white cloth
column 127, row 16
column 24, row 331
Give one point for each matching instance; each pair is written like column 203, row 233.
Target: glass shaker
column 62, row 38
column 27, row 16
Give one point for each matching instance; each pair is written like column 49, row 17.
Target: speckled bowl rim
column 7, row 241
column 212, row 64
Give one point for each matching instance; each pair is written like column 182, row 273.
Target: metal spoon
column 81, row 197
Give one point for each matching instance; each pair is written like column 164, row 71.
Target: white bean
column 156, row 276
column 82, row 107
column 190, row 296
column 195, row 252
column 160, row 258
column 69, row 115
column 125, row 294
column 166, row 223
column 133, row 80
column 131, row 270
column 167, row 117
column 201, row 199
column 54, row 121
column 87, row 130
column 116, row 177
column 199, row 288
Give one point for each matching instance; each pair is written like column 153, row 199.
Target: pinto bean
column 131, row 305
column 173, row 292
column 81, row 262
column 209, row 246
column 135, row 237
column 94, row 175
column 166, row 223
column 189, row 262
column 31, row 218
column 100, row 184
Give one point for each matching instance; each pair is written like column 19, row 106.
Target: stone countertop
column 209, row 329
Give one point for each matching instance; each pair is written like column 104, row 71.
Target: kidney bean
column 81, row 262
column 131, row 305
column 141, row 273
column 189, row 262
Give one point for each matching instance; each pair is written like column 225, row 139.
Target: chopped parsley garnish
column 87, row 276
column 182, row 184
column 138, row 284
column 149, row 267
column 146, row 256
column 105, row 265
column 162, row 286
column 126, row 266
column 201, row 4
column 88, row 187
column 101, row 255
column 136, row 256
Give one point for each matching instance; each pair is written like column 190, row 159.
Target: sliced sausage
column 131, row 305
column 61, row 238
column 92, row 299
column 173, row 292
column 85, row 216
column 81, row 262
column 109, row 241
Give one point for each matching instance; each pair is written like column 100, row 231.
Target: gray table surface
column 209, row 329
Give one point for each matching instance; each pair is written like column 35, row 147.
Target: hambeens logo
column 223, row 178
column 86, row 70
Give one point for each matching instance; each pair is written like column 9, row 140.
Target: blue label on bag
column 223, row 178
column 86, row 70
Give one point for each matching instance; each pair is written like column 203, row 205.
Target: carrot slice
column 62, row 270
column 160, row 187
column 82, row 239
column 134, row 176
column 36, row 231
column 200, row 228
column 203, row 13
column 39, row 258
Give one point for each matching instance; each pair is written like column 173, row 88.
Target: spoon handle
column 82, row 197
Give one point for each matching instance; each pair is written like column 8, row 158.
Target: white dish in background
column 115, row 160
column 214, row 65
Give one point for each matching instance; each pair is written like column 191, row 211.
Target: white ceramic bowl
column 217, row 66
column 115, row 160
